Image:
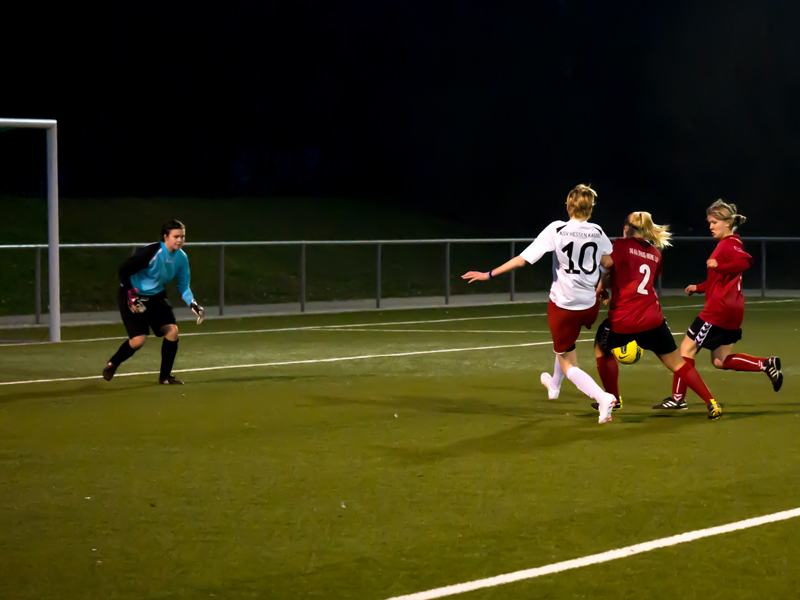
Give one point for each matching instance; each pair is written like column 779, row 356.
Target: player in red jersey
column 718, row 327
column 635, row 314
column 577, row 246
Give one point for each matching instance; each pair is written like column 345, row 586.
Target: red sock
column 743, row 362
column 609, row 374
column 679, row 383
column 694, row 381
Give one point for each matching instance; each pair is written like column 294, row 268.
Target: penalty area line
column 293, row 362
column 462, row 588
column 357, row 325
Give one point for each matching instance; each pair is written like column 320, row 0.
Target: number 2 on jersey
column 646, row 270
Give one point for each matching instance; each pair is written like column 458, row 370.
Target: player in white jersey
column 577, row 246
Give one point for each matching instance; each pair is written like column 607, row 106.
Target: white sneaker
column 551, row 393
column 605, row 407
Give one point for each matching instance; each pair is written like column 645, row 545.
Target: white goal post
column 52, row 214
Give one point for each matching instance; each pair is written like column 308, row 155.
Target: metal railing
column 447, row 243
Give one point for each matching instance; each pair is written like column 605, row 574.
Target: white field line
column 305, row 328
column 293, row 362
column 594, row 559
column 359, row 325
column 440, row 330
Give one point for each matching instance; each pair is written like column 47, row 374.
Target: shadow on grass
column 90, row 389
column 535, row 434
column 256, row 378
column 466, row 406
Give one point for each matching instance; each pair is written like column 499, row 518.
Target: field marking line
column 327, row 327
column 281, row 329
column 594, row 559
column 440, row 330
column 294, row 362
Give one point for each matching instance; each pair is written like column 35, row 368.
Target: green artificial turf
column 376, row 477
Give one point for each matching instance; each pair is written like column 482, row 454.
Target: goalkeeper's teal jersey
column 152, row 267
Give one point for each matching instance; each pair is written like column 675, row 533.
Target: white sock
column 584, row 382
column 558, row 375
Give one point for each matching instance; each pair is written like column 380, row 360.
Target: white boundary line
column 305, row 328
column 594, row 559
column 358, row 325
column 294, row 362
column 440, row 330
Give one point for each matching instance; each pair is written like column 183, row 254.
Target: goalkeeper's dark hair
column 169, row 226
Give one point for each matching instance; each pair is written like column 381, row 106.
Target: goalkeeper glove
column 135, row 303
column 198, row 310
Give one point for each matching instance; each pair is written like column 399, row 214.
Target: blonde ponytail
column 722, row 211
column 658, row 235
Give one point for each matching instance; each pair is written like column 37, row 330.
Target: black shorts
column 658, row 340
column 158, row 313
column 711, row 337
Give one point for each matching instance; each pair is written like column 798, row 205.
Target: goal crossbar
column 50, row 126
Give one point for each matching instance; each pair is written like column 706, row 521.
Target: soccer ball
column 629, row 354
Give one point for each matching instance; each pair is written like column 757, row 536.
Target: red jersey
column 723, row 285
column 634, row 303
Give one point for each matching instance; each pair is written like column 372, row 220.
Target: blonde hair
column 722, row 211
column 580, row 201
column 642, row 222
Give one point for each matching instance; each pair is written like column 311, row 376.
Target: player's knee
column 171, row 332
column 137, row 342
column 718, row 363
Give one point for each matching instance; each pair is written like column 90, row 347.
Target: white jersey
column 577, row 247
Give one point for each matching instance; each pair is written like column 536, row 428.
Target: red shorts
column 565, row 325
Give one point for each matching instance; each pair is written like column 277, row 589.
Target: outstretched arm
column 514, row 263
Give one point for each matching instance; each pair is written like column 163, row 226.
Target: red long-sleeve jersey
column 723, row 285
column 634, row 303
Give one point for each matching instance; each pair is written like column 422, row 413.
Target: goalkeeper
column 143, row 301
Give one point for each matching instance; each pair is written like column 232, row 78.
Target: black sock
column 168, row 352
column 124, row 353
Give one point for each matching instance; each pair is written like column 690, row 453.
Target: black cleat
column 108, row 371
column 772, row 367
column 671, row 404
column 617, row 405
column 170, row 381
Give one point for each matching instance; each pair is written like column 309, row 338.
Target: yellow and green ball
column 629, row 354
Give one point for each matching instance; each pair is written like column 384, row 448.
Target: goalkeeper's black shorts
column 158, row 313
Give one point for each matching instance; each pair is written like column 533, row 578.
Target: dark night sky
column 488, row 111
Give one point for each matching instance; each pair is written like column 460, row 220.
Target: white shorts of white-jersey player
column 577, row 247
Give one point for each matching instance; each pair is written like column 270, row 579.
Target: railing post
column 447, row 273
column 763, row 268
column 221, row 279
column 513, row 254
column 378, row 270
column 38, row 285
column 302, row 278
